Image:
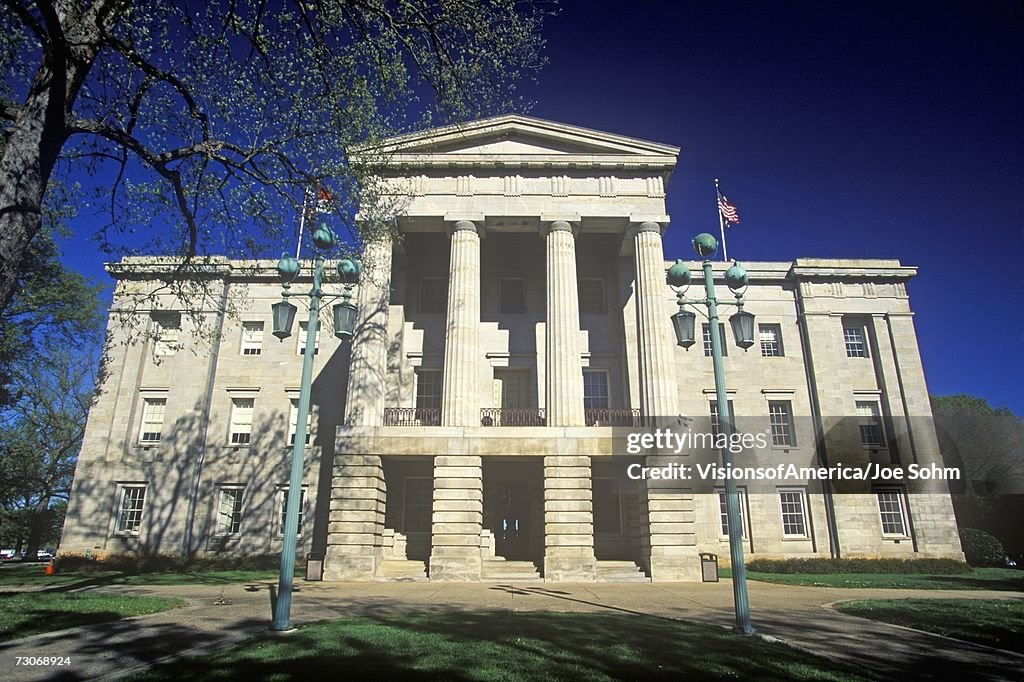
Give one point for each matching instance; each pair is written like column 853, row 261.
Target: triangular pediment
column 515, row 139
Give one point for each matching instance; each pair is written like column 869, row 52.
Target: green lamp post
column 742, row 322
column 283, row 317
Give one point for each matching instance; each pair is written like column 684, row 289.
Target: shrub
column 133, row 564
column 827, row 565
column 981, row 548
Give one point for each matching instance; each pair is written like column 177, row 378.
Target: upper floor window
column 869, row 421
column 706, row 334
column 167, row 331
column 433, row 296
column 130, row 503
column 593, row 299
column 780, row 415
column 716, row 422
column 303, row 333
column 293, row 420
column 252, row 338
column 771, row 340
column 241, row 420
column 855, row 339
column 595, row 389
column 428, row 388
column 152, row 419
column 511, row 296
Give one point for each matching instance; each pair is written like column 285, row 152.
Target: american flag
column 324, row 200
column 727, row 210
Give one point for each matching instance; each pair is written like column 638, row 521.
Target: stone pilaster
column 358, row 497
column 460, row 404
column 563, row 375
column 364, row 403
column 568, row 519
column 458, row 518
column 658, row 391
column 670, row 541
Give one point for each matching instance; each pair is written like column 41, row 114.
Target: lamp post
column 284, row 315
column 742, row 323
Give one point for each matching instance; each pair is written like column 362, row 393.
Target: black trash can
column 709, row 567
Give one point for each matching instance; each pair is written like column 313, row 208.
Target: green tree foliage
column 987, row 445
column 981, row 548
column 40, row 437
column 208, row 122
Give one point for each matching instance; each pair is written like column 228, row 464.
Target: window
column 433, row 295
column 780, row 416
column 511, row 296
column 131, row 500
column 890, row 511
column 771, row 340
column 715, row 423
column 706, row 333
column 303, row 333
column 152, row 419
column 428, row 389
column 723, row 513
column 869, row 419
column 855, row 340
column 229, row 510
column 241, row 420
column 595, row 389
column 167, row 331
column 419, row 504
column 252, row 338
column 607, row 504
column 794, row 513
column 592, row 296
column 284, row 508
column 293, row 420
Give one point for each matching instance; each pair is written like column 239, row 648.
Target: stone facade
column 515, row 328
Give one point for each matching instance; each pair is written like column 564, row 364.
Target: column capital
column 647, row 223
column 560, row 225
column 469, row 222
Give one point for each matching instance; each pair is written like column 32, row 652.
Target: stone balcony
column 497, row 417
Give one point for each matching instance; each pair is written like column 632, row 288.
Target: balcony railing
column 505, row 416
column 412, row 416
column 512, row 416
column 606, row 417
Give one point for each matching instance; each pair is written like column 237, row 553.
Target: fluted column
column 658, row 390
column 364, row 402
column 563, row 370
column 460, row 405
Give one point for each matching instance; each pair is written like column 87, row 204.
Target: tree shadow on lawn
column 967, row 582
column 504, row 645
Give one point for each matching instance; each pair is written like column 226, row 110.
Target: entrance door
column 511, row 532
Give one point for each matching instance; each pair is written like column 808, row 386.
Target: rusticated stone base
column 576, row 569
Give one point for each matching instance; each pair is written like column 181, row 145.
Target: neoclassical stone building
column 509, row 337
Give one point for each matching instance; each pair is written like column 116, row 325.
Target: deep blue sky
column 874, row 130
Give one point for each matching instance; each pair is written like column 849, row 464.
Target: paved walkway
column 800, row 616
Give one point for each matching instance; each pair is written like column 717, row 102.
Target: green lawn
column 505, row 646
column 33, row 575
column 31, row 613
column 994, row 622
column 1005, row 579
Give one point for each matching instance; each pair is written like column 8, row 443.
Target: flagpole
column 302, row 222
column 721, row 221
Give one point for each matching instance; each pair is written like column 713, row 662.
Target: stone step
column 512, row 571
column 398, row 570
column 620, row 572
